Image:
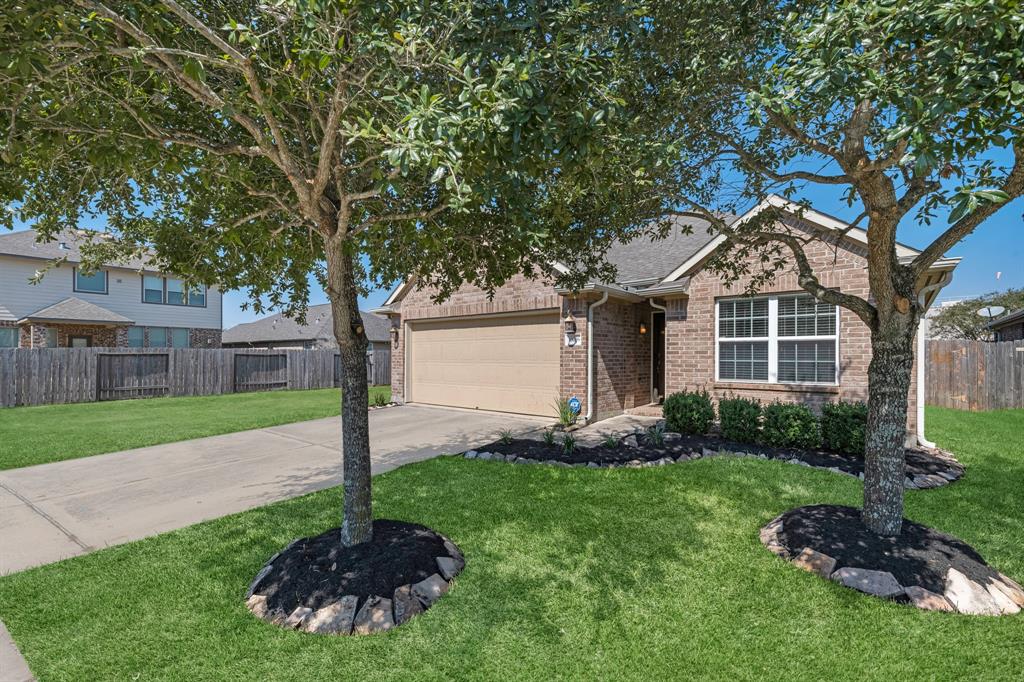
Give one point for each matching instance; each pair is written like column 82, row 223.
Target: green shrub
column 568, row 444
column 843, row 426
column 566, row 417
column 688, row 412
column 548, row 437
column 380, row 399
column 655, row 435
column 790, row 425
column 610, row 441
column 740, row 419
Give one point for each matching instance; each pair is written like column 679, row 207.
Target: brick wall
column 519, row 294
column 622, row 362
column 106, row 337
column 204, row 338
column 690, row 334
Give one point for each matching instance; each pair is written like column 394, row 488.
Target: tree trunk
column 892, row 357
column 357, row 521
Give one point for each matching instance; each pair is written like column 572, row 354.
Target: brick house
column 121, row 305
column 666, row 325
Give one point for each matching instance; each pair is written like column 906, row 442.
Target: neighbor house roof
column 319, row 325
column 1010, row 318
column 78, row 311
column 67, row 245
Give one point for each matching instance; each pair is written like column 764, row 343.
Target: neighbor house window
column 136, row 337
column 152, row 289
column 789, row 339
column 8, row 337
column 197, row 297
column 95, row 283
column 157, row 337
column 175, row 292
column 179, row 338
column 50, row 334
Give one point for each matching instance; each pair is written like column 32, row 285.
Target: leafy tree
column 914, row 108
column 962, row 321
column 253, row 143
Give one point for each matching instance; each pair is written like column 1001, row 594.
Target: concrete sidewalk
column 53, row 511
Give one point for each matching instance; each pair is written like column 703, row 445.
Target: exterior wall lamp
column 643, row 329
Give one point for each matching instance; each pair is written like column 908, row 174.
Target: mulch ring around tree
column 316, row 585
column 921, row 567
column 925, row 468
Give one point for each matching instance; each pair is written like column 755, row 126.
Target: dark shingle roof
column 76, row 310
column 1009, row 318
column 647, row 259
column 24, row 244
column 319, row 323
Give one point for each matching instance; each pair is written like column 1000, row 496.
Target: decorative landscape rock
column 878, row 583
column 375, row 616
column 317, row 586
column 926, row 468
column 334, row 619
column 921, row 567
column 815, row 562
column 927, row 600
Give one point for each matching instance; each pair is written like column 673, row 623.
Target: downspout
column 922, row 329
column 590, row 356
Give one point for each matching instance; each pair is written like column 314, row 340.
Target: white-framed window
column 784, row 339
column 170, row 291
column 94, row 283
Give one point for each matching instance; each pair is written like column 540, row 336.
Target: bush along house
column 120, row 305
column 667, row 324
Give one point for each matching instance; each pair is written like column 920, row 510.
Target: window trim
column 773, row 340
column 74, row 283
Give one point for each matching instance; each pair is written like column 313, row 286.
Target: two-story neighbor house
column 121, row 305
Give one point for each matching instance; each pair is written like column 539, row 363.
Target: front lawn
column 572, row 573
column 51, row 433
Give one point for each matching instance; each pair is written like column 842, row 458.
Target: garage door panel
column 508, row 364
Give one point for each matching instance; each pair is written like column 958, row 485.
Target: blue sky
column 996, row 247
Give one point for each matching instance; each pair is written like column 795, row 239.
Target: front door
column 657, row 357
column 79, row 341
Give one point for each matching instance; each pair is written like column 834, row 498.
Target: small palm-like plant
column 506, row 437
column 548, row 437
column 610, row 441
column 656, row 435
column 380, row 399
column 568, row 444
column 566, row 415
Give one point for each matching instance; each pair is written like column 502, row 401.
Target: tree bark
column 892, row 357
column 357, row 521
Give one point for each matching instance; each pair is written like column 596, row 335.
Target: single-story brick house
column 666, row 325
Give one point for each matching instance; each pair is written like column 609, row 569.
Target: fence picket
column 974, row 375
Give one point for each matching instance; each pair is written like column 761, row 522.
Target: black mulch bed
column 318, row 571
column 918, row 556
column 918, row 462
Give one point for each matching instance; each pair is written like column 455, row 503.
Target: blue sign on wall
column 575, row 405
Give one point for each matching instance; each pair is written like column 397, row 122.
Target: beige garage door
column 509, row 364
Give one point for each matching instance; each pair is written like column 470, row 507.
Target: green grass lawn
column 571, row 573
column 51, row 433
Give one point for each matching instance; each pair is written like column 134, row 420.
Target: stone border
column 377, row 613
column 962, row 595
column 385, row 406
column 953, row 473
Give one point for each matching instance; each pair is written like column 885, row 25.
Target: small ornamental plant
column 548, row 437
column 655, row 435
column 689, row 412
column 506, row 437
column 568, row 444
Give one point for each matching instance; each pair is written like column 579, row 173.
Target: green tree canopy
column 962, row 321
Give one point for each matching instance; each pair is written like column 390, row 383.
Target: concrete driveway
column 53, row 511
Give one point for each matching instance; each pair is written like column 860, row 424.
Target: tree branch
column 1013, row 186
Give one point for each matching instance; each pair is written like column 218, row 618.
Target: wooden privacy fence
column 45, row 376
column 974, row 375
